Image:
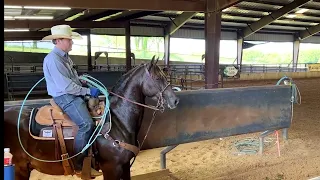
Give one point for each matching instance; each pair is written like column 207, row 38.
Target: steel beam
column 256, row 26
column 127, row 15
column 179, row 21
column 309, row 32
column 32, row 35
column 158, row 5
column 89, row 50
column 138, row 14
column 212, row 43
column 93, row 14
column 70, row 13
column 128, row 47
column 296, row 48
column 74, row 24
column 239, row 51
column 167, row 49
column 223, row 4
column 19, row 36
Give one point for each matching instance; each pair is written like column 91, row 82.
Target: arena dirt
column 216, row 159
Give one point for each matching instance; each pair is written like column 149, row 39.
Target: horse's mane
column 120, row 84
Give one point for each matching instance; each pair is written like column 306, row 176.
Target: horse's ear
column 152, row 62
column 157, row 60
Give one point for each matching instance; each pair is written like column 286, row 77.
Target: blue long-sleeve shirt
column 60, row 76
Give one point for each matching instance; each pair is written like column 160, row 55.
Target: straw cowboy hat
column 62, row 31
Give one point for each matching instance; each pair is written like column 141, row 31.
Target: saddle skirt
column 43, row 119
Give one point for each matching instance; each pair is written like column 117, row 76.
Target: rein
column 147, row 106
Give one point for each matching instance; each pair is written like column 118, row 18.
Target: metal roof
column 234, row 18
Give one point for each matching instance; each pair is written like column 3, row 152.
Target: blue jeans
column 75, row 107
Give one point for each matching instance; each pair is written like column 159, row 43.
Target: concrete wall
column 268, row 76
column 260, row 76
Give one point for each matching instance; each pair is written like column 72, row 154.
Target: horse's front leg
column 126, row 172
column 22, row 172
column 111, row 171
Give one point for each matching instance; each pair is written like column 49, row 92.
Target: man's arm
column 59, row 73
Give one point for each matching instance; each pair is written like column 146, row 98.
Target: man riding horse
column 64, row 85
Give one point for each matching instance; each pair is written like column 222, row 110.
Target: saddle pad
column 46, row 114
column 49, row 132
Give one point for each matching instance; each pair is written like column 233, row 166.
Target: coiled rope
column 91, row 82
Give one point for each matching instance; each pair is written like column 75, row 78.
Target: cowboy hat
column 62, row 31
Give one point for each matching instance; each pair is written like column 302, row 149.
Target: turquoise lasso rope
column 91, row 82
column 294, row 87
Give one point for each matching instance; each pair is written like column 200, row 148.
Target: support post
column 285, row 133
column 166, row 49
column 261, row 140
column 212, row 38
column 128, row 47
column 89, row 50
column 239, row 51
column 296, row 48
column 163, row 155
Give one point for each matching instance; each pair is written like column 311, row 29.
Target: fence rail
column 196, row 68
column 19, row 79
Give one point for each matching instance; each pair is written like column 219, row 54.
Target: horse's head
column 155, row 85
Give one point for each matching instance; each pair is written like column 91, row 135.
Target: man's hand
column 94, row 92
column 83, row 82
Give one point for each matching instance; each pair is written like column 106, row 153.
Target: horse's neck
column 128, row 115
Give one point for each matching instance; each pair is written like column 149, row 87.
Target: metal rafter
column 48, row 24
column 254, row 27
column 70, row 13
column 309, row 32
column 128, row 15
column 94, row 14
column 157, row 5
column 179, row 21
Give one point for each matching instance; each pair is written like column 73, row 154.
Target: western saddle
column 49, row 122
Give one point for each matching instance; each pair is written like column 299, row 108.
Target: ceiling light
column 13, row 7
column 301, row 11
column 291, row 16
column 224, row 10
column 33, row 17
column 16, row 30
column 46, row 7
column 108, row 17
column 313, row 24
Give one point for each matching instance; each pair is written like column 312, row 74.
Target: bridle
column 160, row 93
column 160, row 103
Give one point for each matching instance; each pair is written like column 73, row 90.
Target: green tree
column 309, row 56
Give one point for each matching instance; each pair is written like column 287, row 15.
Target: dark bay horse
column 146, row 80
